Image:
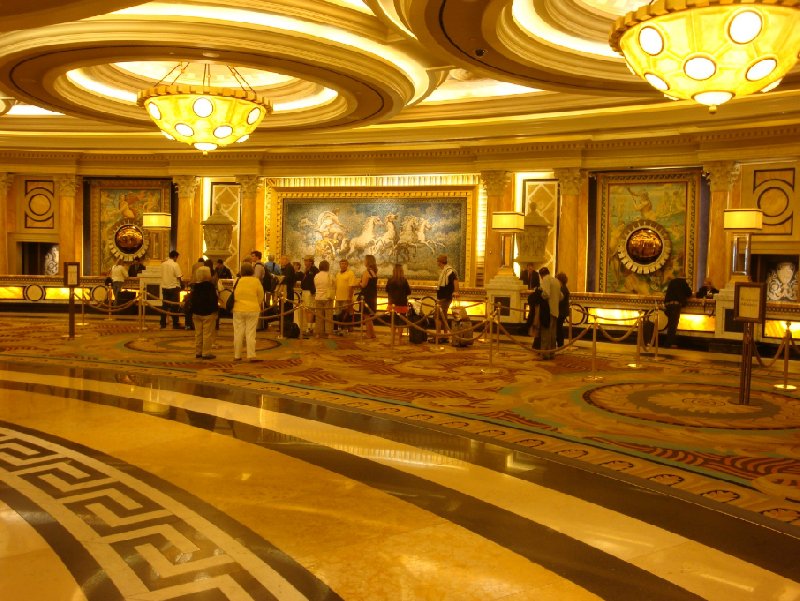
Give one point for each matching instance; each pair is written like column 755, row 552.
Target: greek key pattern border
column 150, row 545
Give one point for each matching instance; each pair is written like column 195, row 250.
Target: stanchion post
column 281, row 307
column 141, row 312
column 83, row 306
column 361, row 318
column 491, row 369
column 300, row 308
column 593, row 377
column 72, row 312
column 497, row 325
column 637, row 361
column 787, row 341
column 747, row 364
column 391, row 344
column 108, row 300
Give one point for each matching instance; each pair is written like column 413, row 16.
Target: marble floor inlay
column 337, row 472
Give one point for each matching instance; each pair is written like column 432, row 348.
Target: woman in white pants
column 248, row 300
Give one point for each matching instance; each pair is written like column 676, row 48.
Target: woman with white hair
column 205, row 304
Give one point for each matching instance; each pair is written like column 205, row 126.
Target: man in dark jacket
column 675, row 297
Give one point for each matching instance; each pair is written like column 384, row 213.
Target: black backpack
column 268, row 281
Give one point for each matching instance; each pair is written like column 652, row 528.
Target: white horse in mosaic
column 386, row 243
column 364, row 243
column 423, row 227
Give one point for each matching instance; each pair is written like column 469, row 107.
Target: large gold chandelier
column 710, row 51
column 204, row 116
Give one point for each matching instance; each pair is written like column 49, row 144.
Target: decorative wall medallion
column 644, row 246
column 129, row 241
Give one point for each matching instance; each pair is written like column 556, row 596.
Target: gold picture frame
column 662, row 203
column 406, row 225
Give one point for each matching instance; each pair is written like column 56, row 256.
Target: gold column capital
column 68, row 185
column 250, row 185
column 570, row 180
column 495, row 183
column 722, row 175
column 187, row 186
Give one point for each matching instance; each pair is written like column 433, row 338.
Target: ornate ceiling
column 345, row 74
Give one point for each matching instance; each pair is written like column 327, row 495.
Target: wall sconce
column 742, row 223
column 507, row 223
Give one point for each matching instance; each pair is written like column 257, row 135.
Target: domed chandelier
column 710, row 51
column 204, row 116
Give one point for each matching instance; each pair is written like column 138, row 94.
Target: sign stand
column 749, row 306
column 72, row 279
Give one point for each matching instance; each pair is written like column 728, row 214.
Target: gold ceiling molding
column 18, row 14
column 370, row 87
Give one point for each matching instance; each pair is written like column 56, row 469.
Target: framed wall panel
column 647, row 228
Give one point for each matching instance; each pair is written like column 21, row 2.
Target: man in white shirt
column 551, row 292
column 171, row 289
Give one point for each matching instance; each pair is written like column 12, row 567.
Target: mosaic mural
column 401, row 227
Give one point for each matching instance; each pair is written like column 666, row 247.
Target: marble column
column 722, row 176
column 250, row 231
column 190, row 242
column 497, row 185
column 67, row 186
column 573, row 225
column 6, row 180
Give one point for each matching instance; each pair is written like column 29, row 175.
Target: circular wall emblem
column 644, row 246
column 129, row 241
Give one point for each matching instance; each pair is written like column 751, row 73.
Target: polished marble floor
column 119, row 484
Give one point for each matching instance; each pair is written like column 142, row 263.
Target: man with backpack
column 308, row 293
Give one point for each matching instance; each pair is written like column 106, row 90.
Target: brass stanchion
column 141, row 309
column 391, row 344
column 280, row 316
column 593, row 377
column 637, row 362
column 83, row 308
column 747, row 364
column 361, row 318
column 108, row 300
column 655, row 334
column 787, row 341
column 443, row 320
column 495, row 322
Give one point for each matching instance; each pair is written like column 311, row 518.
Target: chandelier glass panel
column 204, row 116
column 710, row 51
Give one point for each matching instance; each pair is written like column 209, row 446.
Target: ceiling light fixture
column 204, row 116
column 710, row 51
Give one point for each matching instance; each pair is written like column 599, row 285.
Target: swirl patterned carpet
column 673, row 424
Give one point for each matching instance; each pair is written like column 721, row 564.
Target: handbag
column 229, row 302
column 186, row 305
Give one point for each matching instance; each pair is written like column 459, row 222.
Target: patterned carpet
column 672, row 425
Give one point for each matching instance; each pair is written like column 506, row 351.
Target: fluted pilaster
column 497, row 186
column 6, row 181
column 249, row 239
column 722, row 177
column 573, row 226
column 69, row 213
column 190, row 243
